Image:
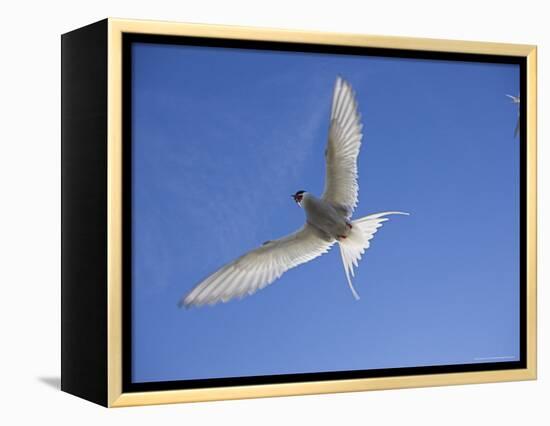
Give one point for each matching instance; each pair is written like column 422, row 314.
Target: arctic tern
column 328, row 219
column 515, row 100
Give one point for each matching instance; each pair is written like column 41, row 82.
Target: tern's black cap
column 298, row 196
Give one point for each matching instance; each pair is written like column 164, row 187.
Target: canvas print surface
column 233, row 149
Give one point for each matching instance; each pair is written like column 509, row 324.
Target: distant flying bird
column 328, row 219
column 515, row 100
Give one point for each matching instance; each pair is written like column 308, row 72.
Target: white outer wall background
column 30, row 211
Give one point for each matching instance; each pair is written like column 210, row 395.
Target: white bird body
column 325, row 217
column 328, row 219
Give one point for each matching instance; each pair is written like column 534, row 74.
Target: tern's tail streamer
column 358, row 240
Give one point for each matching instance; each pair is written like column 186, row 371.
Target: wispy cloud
column 279, row 140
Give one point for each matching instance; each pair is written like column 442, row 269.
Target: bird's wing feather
column 344, row 141
column 258, row 268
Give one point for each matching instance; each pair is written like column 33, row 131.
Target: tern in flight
column 515, row 100
column 328, row 219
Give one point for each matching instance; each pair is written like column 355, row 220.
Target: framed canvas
column 404, row 257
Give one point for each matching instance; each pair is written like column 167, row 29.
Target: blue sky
column 222, row 137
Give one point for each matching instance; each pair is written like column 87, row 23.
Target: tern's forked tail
column 358, row 240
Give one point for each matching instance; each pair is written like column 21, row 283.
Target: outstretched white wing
column 258, row 268
column 344, row 141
